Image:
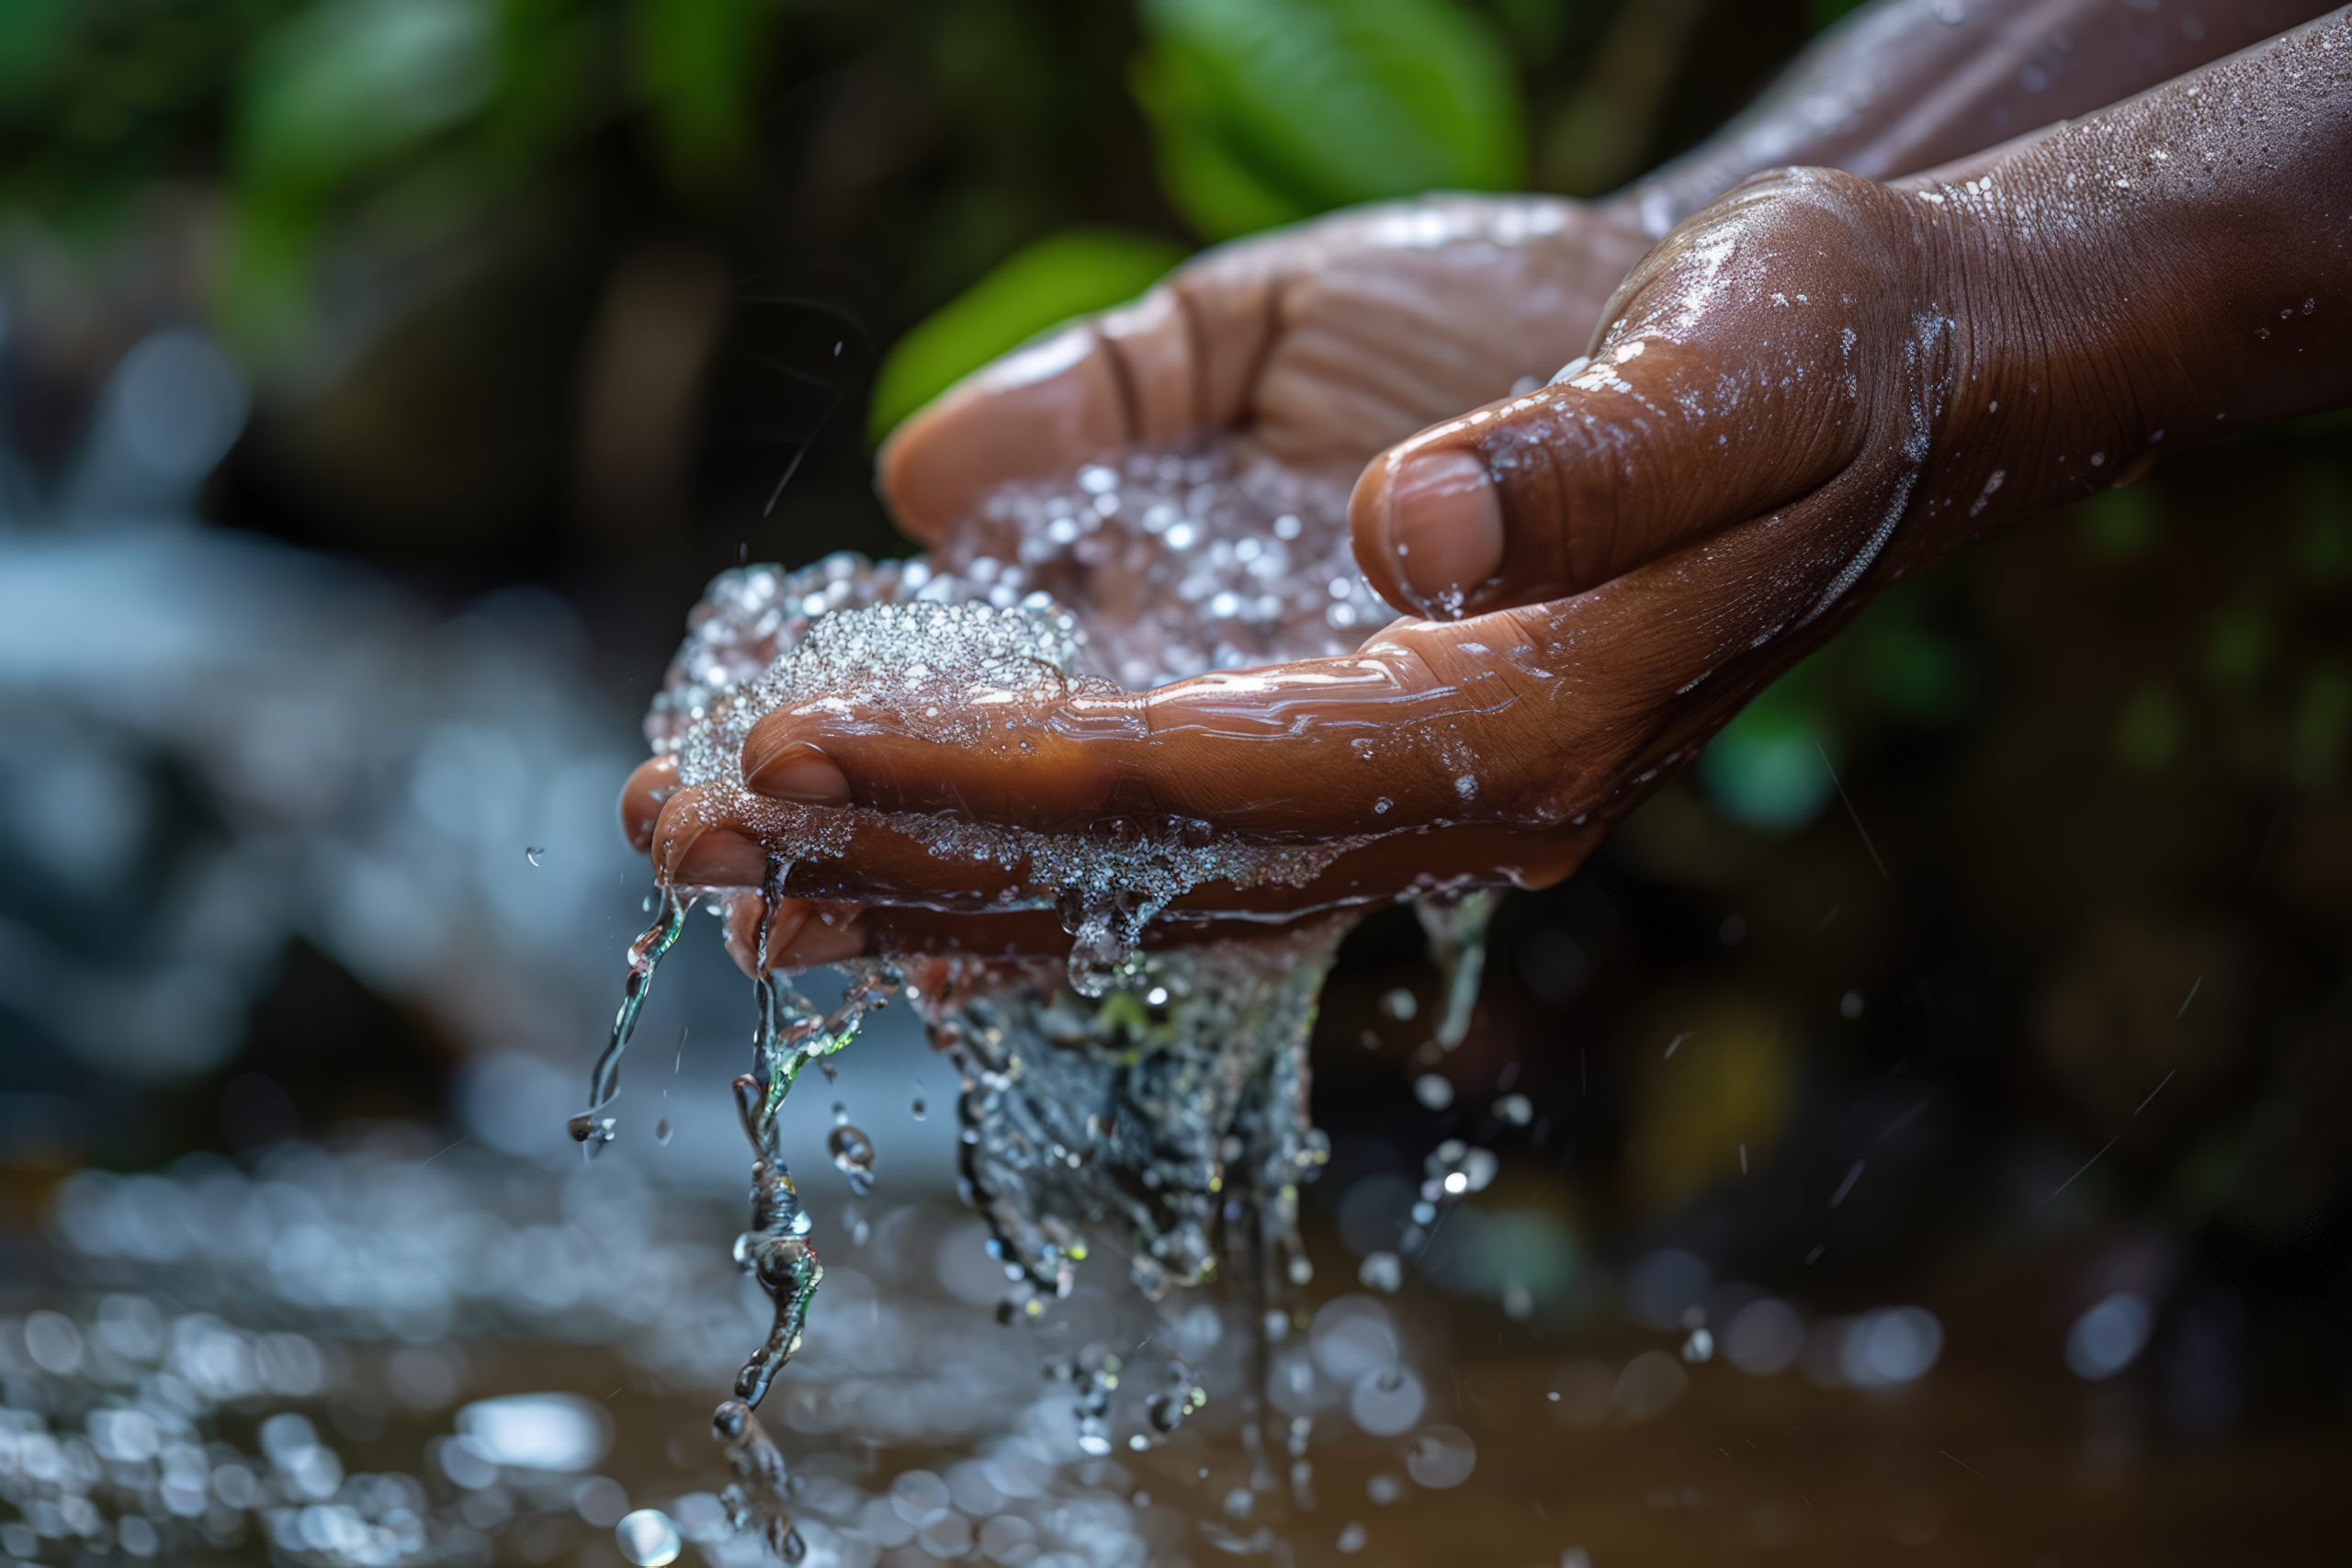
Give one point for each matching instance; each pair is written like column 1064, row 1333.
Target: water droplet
column 662, row 1131
column 1434, row 1090
column 1459, row 1169
column 1400, row 1004
column 1381, row 1271
column 648, row 1539
column 852, row 1154
column 591, row 1129
column 1515, row 1108
column 1442, row 1457
column 532, row 851
column 1099, row 956
column 1387, row 1401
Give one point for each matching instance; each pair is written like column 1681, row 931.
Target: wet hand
column 1810, row 390
column 1316, row 346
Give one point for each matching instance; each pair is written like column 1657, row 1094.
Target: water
column 647, row 1538
column 594, row 1127
column 1149, row 1104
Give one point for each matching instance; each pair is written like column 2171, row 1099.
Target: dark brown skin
column 1804, row 393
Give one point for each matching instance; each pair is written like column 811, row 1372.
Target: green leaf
column 1267, row 111
column 1040, row 285
column 1768, row 767
column 345, row 88
column 697, row 63
column 36, row 46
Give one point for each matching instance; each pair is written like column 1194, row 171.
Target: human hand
column 1316, row 346
column 1799, row 398
column 1495, row 748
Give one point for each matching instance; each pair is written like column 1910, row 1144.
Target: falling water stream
column 1155, row 1101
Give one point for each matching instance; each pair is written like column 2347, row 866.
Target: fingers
column 1317, row 750
column 655, row 780
column 1725, row 387
column 1175, row 364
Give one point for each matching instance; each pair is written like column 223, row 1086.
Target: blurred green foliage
column 1040, row 285
column 399, row 119
column 1268, row 111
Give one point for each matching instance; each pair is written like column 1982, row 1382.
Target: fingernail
column 1444, row 525
column 714, row 857
column 799, row 772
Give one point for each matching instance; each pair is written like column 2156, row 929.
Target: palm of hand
column 1501, row 745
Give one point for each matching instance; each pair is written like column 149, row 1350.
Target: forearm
column 2173, row 269
column 1905, row 84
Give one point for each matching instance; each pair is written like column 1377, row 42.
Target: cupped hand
column 1789, row 408
column 1316, row 346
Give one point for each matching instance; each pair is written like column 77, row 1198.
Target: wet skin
column 1812, row 387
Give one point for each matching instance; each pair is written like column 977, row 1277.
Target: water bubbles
column 532, row 852
column 918, row 1495
column 662, row 1131
column 1182, row 1397
column 1387, row 1401
column 1459, row 1169
column 1434, row 1090
column 536, row 1431
column 53, row 1343
column 852, row 1154
column 2108, row 1336
column 1381, row 1271
column 1352, row 1535
column 919, row 1109
column 1099, row 956
column 1400, row 1004
column 1764, row 1336
column 1891, row 1346
column 648, row 1539
column 1699, row 1346
column 1440, row 1457
column 1849, row 1006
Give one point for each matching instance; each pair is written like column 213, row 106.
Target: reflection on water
column 382, row 1354
column 448, row 1341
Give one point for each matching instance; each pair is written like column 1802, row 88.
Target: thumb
column 1626, row 458
column 1731, row 380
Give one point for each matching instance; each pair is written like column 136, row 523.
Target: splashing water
column 592, row 1127
column 1161, row 1098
